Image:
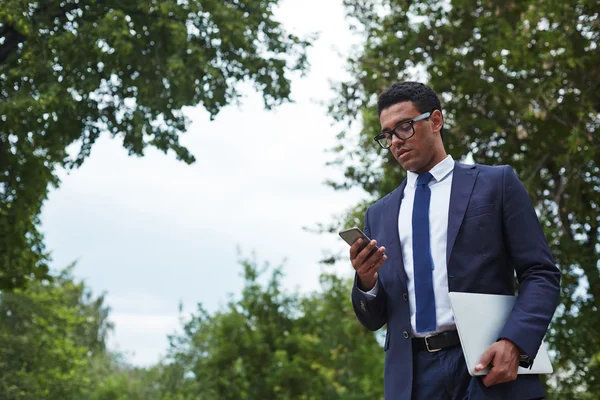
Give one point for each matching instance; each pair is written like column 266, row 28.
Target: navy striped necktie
column 422, row 260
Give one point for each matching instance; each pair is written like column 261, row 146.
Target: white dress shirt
column 440, row 187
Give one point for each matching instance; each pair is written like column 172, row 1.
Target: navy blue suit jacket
column 493, row 231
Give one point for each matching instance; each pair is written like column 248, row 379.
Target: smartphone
column 352, row 234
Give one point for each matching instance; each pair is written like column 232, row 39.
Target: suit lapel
column 463, row 181
column 394, row 250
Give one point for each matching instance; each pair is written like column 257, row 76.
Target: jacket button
column 405, row 296
column 405, row 334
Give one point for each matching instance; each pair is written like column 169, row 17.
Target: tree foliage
column 519, row 85
column 71, row 70
column 112, row 378
column 49, row 333
column 273, row 345
column 53, row 346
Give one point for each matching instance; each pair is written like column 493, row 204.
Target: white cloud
column 143, row 338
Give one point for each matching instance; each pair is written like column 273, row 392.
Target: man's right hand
column 367, row 268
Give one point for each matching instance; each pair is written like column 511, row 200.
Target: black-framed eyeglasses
column 404, row 130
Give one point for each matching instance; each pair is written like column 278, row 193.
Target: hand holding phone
column 366, row 257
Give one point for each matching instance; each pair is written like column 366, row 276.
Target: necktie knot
column 424, row 178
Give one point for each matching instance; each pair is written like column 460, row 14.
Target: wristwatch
column 525, row 361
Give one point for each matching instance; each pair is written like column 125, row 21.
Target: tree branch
column 559, row 199
column 590, row 268
column 537, row 169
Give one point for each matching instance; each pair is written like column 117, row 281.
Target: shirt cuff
column 371, row 294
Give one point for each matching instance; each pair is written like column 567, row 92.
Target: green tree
column 519, row 85
column 71, row 70
column 273, row 345
column 49, row 333
column 113, row 379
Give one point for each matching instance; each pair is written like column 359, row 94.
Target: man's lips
column 401, row 152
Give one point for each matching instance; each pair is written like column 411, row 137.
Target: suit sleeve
column 539, row 278
column 370, row 311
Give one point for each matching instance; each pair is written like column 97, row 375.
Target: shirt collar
column 439, row 172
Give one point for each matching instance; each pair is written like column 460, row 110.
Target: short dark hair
column 421, row 95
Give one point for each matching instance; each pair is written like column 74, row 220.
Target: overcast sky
column 152, row 231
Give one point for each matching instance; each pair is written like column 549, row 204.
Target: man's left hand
column 504, row 359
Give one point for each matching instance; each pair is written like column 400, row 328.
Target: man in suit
column 449, row 227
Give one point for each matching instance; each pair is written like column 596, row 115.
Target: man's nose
column 396, row 141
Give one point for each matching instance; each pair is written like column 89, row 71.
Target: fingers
column 375, row 262
column 504, row 365
column 364, row 254
column 367, row 271
column 368, row 257
column 356, row 257
column 365, row 262
column 491, row 378
column 499, row 374
column 354, row 249
column 486, row 358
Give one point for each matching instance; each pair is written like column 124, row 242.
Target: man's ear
column 437, row 120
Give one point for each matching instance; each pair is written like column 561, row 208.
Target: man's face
column 422, row 151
